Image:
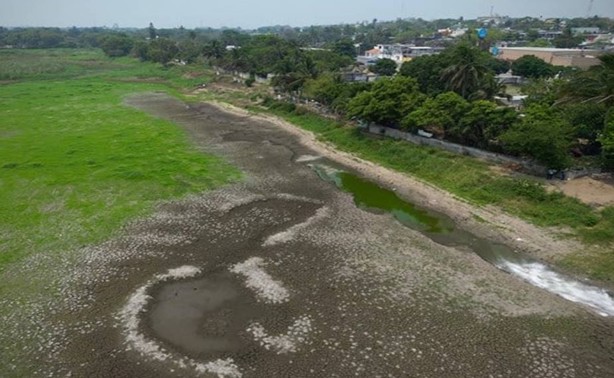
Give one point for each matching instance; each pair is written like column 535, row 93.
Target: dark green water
column 370, row 196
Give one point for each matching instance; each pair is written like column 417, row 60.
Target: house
column 397, row 52
column 581, row 31
column 508, row 78
column 580, row 58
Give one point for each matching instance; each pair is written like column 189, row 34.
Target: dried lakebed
column 283, row 275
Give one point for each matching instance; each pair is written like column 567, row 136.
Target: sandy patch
column 588, row 190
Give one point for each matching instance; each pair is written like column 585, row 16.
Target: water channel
column 442, row 229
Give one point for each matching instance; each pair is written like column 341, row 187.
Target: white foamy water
column 539, row 275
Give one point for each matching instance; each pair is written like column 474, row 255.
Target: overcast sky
column 251, row 14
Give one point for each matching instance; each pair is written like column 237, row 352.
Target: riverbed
column 288, row 274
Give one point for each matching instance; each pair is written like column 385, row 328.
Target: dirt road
column 281, row 275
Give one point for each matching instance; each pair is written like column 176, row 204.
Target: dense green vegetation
column 76, row 163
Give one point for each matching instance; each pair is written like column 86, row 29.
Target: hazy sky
column 251, row 14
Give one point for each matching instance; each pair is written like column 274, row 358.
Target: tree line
column 451, row 95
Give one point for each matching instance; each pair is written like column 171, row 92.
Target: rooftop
column 544, row 49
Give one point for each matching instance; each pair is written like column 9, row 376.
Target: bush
column 117, row 45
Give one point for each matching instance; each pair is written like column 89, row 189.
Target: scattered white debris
column 222, row 368
column 129, row 317
column 289, row 234
column 282, row 344
column 266, row 288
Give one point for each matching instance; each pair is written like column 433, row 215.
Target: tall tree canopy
column 389, row 100
column 532, row 67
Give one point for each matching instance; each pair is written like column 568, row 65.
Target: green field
column 473, row 180
column 75, row 163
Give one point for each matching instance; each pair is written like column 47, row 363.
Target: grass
column 473, row 180
column 76, row 164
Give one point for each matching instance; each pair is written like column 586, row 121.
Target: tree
column 116, row 45
column 483, row 123
column 465, row 75
column 388, row 101
column 152, row 31
column 214, row 49
column 595, row 85
column 324, row 89
column 293, row 70
column 426, row 70
column 541, row 134
column 498, row 66
column 567, row 40
column 141, row 50
column 532, row 67
column 541, row 42
column 532, row 35
column 345, row 47
column 327, row 60
column 438, row 115
column 384, row 67
column 607, row 145
column 162, row 50
column 189, row 50
column 588, row 120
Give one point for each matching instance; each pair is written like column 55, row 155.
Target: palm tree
column 595, row 85
column 466, row 75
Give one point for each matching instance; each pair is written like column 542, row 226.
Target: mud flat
column 284, row 275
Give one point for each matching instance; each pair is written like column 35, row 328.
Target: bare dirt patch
column 594, row 192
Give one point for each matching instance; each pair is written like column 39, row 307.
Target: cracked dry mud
column 281, row 275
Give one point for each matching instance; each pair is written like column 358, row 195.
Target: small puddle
column 202, row 316
column 442, row 229
column 370, row 196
